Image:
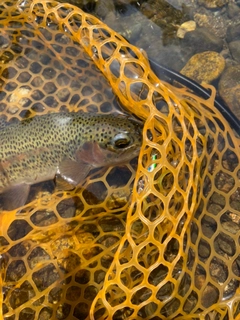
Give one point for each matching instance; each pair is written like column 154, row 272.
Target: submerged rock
column 186, row 27
column 212, row 4
column 233, row 33
column 229, row 88
column 234, row 47
column 233, row 10
column 204, row 67
column 201, row 40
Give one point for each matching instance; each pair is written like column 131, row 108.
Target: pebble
column 204, row 67
column 212, row 4
column 13, row 109
column 186, row 27
column 233, row 33
column 209, row 295
column 229, row 88
column 218, row 270
column 224, row 244
column 233, row 10
column 215, row 24
column 230, row 226
column 234, row 47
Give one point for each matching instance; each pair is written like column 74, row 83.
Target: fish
column 65, row 145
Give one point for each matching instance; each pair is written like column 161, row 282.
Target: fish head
column 117, row 139
column 125, row 141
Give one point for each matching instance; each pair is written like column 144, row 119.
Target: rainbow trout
column 68, row 145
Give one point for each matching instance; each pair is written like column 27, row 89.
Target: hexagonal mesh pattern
column 44, row 70
column 169, row 253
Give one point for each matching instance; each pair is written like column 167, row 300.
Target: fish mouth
column 135, row 147
column 129, row 152
column 122, row 156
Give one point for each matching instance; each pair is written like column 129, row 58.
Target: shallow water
column 57, row 250
column 166, row 31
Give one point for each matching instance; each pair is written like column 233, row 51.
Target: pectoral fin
column 91, row 152
column 15, row 196
column 72, row 172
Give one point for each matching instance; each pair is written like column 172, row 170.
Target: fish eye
column 121, row 141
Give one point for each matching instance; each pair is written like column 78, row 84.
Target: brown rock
column 186, row 27
column 234, row 47
column 212, row 4
column 204, row 67
column 229, row 88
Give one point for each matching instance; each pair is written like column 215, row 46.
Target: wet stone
column 201, row 40
column 4, row 308
column 224, row 244
column 45, row 313
column 4, row 42
column 204, row 250
column 37, row 81
column 37, row 95
column 218, row 199
column 18, row 229
column 99, row 276
column 190, row 302
column 3, row 241
column 214, row 208
column 235, row 205
column 73, row 293
column 6, row 57
column 233, row 10
column 44, row 277
column 229, row 216
column 224, row 182
column 44, row 218
column 234, row 47
column 229, row 88
column 218, row 270
column 233, row 33
column 236, row 266
column 230, row 226
column 230, row 289
column 24, row 77
column 204, row 67
column 19, row 250
column 37, row 107
column 13, row 109
column 55, row 295
column 210, row 295
column 18, row 296
column 37, row 256
column 212, row 4
column 15, row 271
column 215, row 23
column 186, row 27
column 68, row 262
column 38, row 302
column 170, row 307
column 209, row 226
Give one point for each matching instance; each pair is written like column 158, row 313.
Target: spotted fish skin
column 67, row 144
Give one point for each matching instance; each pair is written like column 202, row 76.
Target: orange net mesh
column 169, row 250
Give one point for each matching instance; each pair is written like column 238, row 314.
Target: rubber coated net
column 153, row 239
